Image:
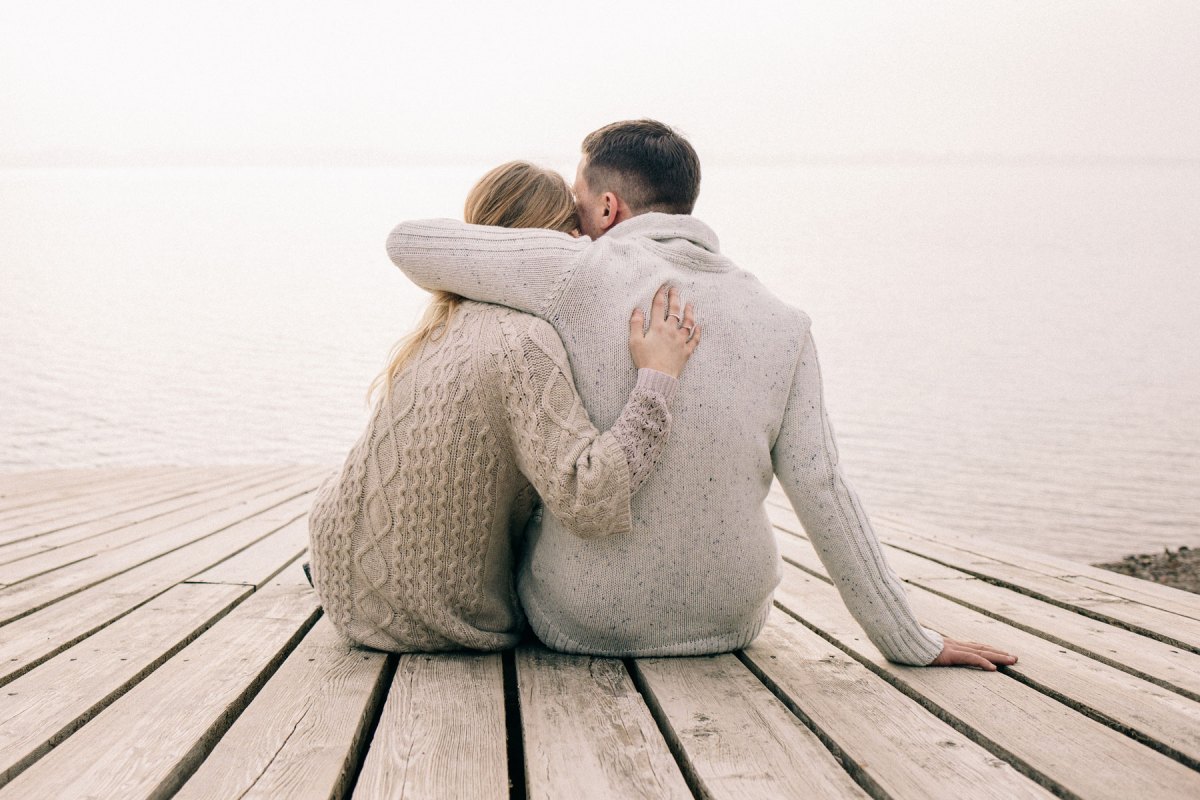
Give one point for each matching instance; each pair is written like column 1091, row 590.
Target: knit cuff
column 654, row 381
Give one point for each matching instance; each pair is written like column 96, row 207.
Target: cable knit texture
column 412, row 539
column 697, row 572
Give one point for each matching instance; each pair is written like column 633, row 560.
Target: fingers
column 673, row 305
column 689, row 320
column 670, row 317
column 973, row 654
column 993, row 654
column 637, row 324
column 972, row 660
column 658, row 309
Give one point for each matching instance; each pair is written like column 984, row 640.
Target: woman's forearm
column 644, row 425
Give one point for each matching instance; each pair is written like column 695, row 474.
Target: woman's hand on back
column 671, row 337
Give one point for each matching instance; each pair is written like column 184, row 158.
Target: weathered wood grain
column 28, row 641
column 20, row 489
column 892, row 745
column 44, row 706
column 30, row 595
column 262, row 560
column 1066, row 748
column 149, row 741
column 1176, row 629
column 588, row 733
column 146, row 535
column 195, row 493
column 1046, row 564
column 1165, row 665
column 1123, row 701
column 60, row 503
column 736, row 740
column 301, row 736
column 442, row 733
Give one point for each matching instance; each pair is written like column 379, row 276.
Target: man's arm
column 522, row 268
column 806, row 461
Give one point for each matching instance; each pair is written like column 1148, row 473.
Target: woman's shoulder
column 510, row 323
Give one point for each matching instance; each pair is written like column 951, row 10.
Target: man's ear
column 610, row 210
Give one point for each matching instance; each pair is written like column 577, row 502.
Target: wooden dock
column 158, row 639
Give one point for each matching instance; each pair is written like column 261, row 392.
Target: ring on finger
column 676, row 316
column 689, row 329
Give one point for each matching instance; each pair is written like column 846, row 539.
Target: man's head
column 629, row 168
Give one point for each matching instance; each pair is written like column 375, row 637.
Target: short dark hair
column 648, row 164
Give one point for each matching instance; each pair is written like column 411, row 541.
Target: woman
column 476, row 416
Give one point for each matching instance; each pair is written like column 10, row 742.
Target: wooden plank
column 44, row 706
column 105, row 500
column 100, row 536
column 1165, row 665
column 1067, row 749
column 82, row 506
column 733, row 737
column 893, row 746
column 442, row 733
column 262, row 560
column 302, row 734
column 42, row 590
column 1150, row 713
column 1113, row 583
column 1181, row 631
column 588, row 733
column 32, row 639
column 148, row 742
column 22, row 487
column 193, row 494
column 1175, row 629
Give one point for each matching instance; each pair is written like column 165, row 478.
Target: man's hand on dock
column 971, row 654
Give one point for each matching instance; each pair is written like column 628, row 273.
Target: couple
column 654, row 540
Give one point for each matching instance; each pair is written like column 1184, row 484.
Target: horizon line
column 370, row 159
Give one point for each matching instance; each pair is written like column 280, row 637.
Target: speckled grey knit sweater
column 697, row 572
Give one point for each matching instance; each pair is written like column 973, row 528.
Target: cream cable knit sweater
column 411, row 541
column 697, row 571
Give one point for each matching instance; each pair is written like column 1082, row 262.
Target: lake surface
column 1008, row 350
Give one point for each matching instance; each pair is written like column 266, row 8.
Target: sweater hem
column 555, row 639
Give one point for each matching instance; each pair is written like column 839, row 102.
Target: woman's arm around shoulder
column 586, row 478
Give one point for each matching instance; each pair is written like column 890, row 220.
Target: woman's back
column 411, row 544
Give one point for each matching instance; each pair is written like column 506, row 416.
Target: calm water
column 1007, row 350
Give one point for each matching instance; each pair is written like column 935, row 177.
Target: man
column 697, row 573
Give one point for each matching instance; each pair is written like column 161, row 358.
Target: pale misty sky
column 365, row 82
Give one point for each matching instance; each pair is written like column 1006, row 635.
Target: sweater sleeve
column 805, row 458
column 584, row 477
column 522, row 268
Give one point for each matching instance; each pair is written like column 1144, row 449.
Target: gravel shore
column 1180, row 569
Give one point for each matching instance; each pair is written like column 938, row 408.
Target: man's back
column 697, row 572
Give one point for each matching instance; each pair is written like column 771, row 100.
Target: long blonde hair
column 513, row 195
